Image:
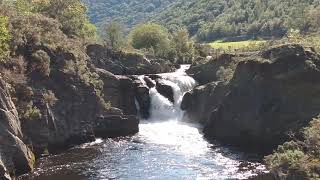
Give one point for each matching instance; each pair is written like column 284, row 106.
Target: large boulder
column 165, row 90
column 201, row 101
column 266, row 101
column 109, row 126
column 119, row 91
column 15, row 155
column 143, row 99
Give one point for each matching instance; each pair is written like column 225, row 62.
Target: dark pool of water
column 167, row 150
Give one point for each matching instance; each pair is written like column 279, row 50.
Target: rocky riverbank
column 270, row 97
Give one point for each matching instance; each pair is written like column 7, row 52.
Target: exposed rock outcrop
column 203, row 100
column 79, row 114
column 123, row 63
column 165, row 90
column 143, row 98
column 15, row 156
column 119, row 91
column 115, row 124
column 265, row 102
column 214, row 69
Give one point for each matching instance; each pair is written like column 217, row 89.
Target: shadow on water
column 164, row 150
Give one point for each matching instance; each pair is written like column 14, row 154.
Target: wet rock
column 267, row 176
column 149, row 82
column 114, row 126
column 143, row 99
column 127, row 96
column 165, row 90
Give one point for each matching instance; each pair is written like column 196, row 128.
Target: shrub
column 151, row 36
column 41, row 62
column 312, row 138
column 32, row 112
column 298, row 159
column 49, row 98
column 224, row 74
column 4, row 36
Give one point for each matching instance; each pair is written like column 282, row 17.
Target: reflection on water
column 165, row 150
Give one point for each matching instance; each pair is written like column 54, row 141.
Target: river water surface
column 162, row 150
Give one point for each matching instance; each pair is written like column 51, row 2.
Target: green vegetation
column 113, row 35
column 155, row 40
column 129, row 13
column 32, row 113
column 183, row 48
column 48, row 36
column 236, row 45
column 298, row 159
column 151, row 37
column 71, row 14
column 210, row 20
column 4, row 35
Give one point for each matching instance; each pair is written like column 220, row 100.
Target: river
column 165, row 148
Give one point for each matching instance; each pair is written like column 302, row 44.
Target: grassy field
column 236, row 45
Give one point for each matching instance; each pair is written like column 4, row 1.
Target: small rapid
column 161, row 107
column 165, row 148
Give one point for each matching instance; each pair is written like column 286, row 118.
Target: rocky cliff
column 269, row 99
column 15, row 156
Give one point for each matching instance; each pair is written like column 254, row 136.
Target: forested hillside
column 126, row 12
column 214, row 19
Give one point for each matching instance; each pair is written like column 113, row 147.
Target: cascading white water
column 161, row 107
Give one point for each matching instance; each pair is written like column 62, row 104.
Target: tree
column 151, row 36
column 183, row 46
column 71, row 14
column 114, row 35
column 4, row 35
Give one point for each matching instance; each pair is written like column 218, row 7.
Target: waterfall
column 161, row 108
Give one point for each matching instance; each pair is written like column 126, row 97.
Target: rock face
column 15, row 156
column 143, row 98
column 119, row 91
column 121, row 63
column 115, row 124
column 79, row 116
column 264, row 102
column 203, row 100
column 209, row 72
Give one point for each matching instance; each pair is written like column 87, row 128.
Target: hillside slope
column 127, row 12
column 213, row 19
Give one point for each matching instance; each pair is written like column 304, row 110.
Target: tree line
column 209, row 20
